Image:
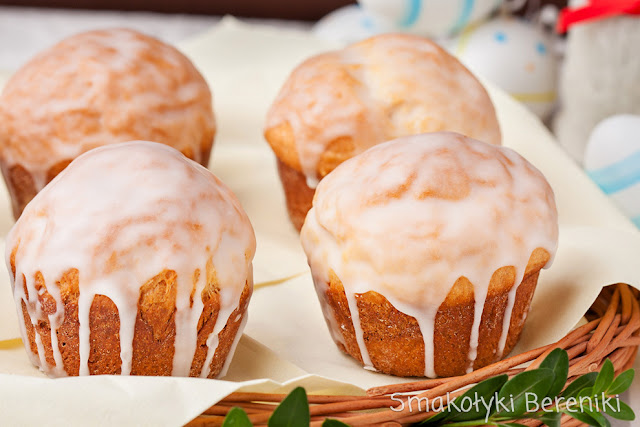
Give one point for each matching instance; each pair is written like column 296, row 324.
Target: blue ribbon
column 413, row 12
column 618, row 176
column 463, row 18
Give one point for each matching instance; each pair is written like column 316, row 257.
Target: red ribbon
column 594, row 10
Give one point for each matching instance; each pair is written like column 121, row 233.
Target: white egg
column 515, row 55
column 347, row 24
column 435, row 18
column 612, row 160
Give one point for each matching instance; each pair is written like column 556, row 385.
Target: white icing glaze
column 407, row 218
column 376, row 90
column 234, row 345
column 97, row 88
column 357, row 327
column 120, row 215
column 506, row 321
column 226, row 309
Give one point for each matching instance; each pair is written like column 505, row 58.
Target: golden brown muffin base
column 154, row 336
column 394, row 341
column 283, row 144
column 22, row 187
column 298, row 195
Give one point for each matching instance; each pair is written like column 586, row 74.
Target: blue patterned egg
column 612, row 160
column 435, row 18
column 514, row 54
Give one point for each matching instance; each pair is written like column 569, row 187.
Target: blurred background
column 309, row 10
column 575, row 66
column 300, row 10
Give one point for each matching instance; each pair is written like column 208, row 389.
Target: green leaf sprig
column 293, row 411
column 500, row 401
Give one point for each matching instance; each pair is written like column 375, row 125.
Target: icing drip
column 234, row 345
column 57, row 357
column 18, row 298
column 97, row 88
column 187, row 317
column 409, row 217
column 357, row 327
column 426, row 321
column 84, row 304
column 236, row 339
column 375, row 90
column 221, row 322
column 506, row 321
column 177, row 217
column 479, row 301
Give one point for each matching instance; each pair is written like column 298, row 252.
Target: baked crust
column 93, row 89
column 394, row 341
column 282, row 142
column 153, row 342
column 354, row 76
column 298, row 195
column 338, row 104
column 22, row 187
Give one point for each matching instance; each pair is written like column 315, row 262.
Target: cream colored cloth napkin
column 286, row 342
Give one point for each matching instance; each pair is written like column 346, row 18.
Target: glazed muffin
column 425, row 252
column 337, row 104
column 93, row 89
column 133, row 260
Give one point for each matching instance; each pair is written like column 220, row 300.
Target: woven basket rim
column 612, row 331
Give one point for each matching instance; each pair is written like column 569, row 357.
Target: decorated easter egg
column 612, row 160
column 347, row 24
column 435, row 18
column 515, row 55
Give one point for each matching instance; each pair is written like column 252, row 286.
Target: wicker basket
column 612, row 331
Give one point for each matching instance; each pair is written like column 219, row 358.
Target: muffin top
column 97, row 88
column 337, row 104
column 407, row 218
column 131, row 210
